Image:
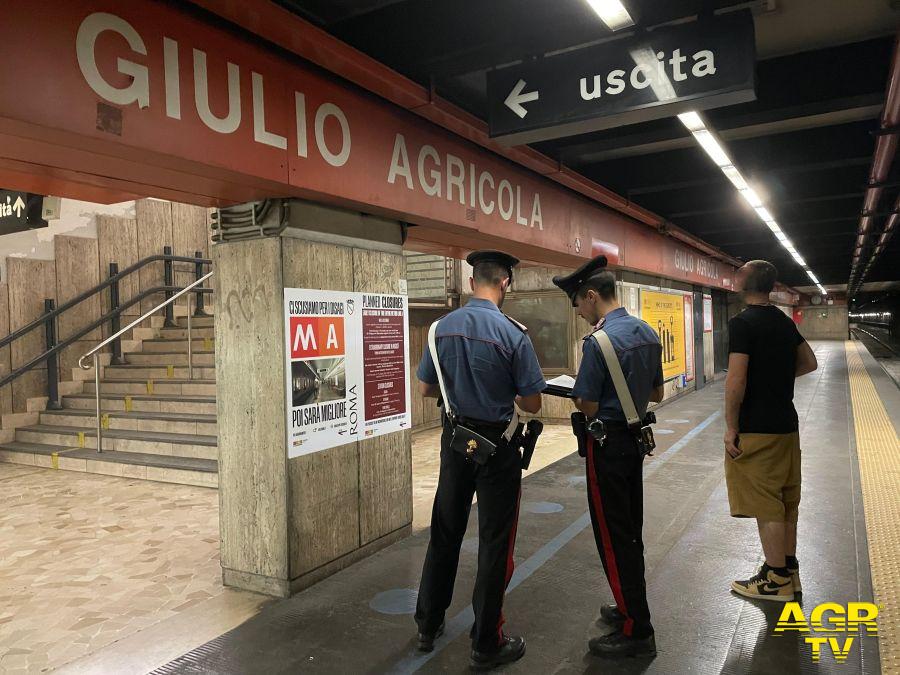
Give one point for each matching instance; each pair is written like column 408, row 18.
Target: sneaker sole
column 755, row 596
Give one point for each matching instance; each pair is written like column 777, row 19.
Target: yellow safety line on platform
column 878, row 450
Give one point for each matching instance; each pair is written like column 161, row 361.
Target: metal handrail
column 95, row 352
column 41, row 320
column 75, row 337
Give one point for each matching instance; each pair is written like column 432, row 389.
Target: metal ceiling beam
column 741, row 206
column 790, row 224
column 766, row 123
column 882, row 161
column 777, row 171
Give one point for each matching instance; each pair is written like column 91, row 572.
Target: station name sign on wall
column 705, row 64
column 157, row 92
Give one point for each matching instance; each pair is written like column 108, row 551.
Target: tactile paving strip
column 878, row 450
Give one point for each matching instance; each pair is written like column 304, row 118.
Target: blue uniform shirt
column 640, row 354
column 486, row 361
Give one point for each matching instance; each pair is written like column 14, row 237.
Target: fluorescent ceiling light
column 752, row 198
column 735, row 177
column 707, row 140
column 709, row 143
column 693, row 122
column 763, row 213
column 659, row 82
column 613, row 13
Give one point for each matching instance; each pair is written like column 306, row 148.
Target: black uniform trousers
column 616, row 500
column 498, row 486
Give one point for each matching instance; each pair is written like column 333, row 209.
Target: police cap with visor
column 572, row 283
column 505, row 260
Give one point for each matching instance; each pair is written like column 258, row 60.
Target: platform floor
column 360, row 619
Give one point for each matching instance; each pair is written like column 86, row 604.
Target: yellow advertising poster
column 665, row 314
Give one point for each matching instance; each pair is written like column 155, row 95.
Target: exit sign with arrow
column 647, row 75
column 19, row 211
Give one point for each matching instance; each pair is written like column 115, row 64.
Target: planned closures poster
column 347, row 365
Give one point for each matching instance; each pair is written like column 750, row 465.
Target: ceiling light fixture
column 750, row 196
column 613, row 13
column 712, row 148
column 710, row 144
column 736, row 178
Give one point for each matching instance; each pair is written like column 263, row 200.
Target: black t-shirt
column 771, row 339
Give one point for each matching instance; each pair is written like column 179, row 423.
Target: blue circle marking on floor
column 577, row 481
column 542, row 507
column 663, row 432
column 395, row 601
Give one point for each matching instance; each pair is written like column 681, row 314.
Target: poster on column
column 707, row 314
column 688, row 337
column 665, row 314
column 346, row 367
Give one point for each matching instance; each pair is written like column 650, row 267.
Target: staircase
column 157, row 424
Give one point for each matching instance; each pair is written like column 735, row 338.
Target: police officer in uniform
column 614, row 465
column 488, row 364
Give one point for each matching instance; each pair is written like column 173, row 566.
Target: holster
column 645, row 441
column 579, row 428
column 526, row 439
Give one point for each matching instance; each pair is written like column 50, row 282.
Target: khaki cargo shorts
column 764, row 481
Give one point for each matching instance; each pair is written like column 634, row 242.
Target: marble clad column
column 286, row 524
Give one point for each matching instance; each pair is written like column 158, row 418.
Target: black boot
column 425, row 641
column 610, row 614
column 618, row 644
column 512, row 649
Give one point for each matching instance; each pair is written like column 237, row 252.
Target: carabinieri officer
column 614, row 465
column 488, row 364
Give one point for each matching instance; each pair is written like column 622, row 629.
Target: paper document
column 563, row 381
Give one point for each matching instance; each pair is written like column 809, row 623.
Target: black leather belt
column 471, row 422
column 616, row 426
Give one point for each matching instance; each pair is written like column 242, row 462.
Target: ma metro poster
column 347, row 366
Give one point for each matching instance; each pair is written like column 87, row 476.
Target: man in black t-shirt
column 762, row 442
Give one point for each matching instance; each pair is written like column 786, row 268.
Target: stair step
column 144, row 403
column 181, row 333
column 196, row 321
column 195, row 387
column 172, row 345
column 161, row 468
column 181, row 423
column 201, row 358
column 122, row 440
column 159, row 372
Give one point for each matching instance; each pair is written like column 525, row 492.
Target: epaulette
column 597, row 328
column 521, row 326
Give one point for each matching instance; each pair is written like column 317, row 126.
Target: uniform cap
column 498, row 257
column 573, row 282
